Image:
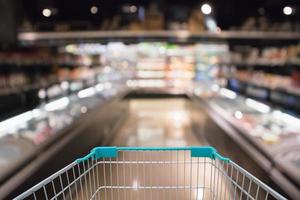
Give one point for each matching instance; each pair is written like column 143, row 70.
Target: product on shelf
column 68, row 93
column 265, row 56
column 258, row 120
column 79, row 80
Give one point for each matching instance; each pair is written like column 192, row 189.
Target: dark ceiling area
column 228, row 13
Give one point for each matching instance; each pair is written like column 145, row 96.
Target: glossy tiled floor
column 157, row 122
column 156, row 175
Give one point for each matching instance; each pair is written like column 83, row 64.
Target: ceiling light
column 206, row 9
column 46, row 12
column 94, row 9
column 287, row 10
column 133, row 9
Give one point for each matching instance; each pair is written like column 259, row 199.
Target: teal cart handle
column 112, row 152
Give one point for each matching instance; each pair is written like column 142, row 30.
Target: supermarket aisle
column 159, row 175
column 160, row 122
column 157, row 122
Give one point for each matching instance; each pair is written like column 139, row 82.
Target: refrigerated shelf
column 270, row 136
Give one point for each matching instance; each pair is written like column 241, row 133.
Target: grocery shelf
column 92, row 126
column 136, row 36
column 284, row 70
column 234, row 123
column 165, row 77
column 283, row 97
column 262, row 64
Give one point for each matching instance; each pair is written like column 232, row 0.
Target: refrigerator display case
column 273, row 132
column 62, row 103
column 269, row 127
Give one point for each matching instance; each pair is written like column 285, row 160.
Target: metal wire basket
column 151, row 173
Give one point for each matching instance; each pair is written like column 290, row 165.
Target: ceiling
column 228, row 13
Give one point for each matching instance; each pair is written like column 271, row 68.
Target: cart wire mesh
column 126, row 173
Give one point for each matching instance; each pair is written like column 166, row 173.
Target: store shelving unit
column 260, row 132
column 25, row 72
column 55, row 38
column 78, row 120
column 77, row 97
column 286, row 98
column 72, row 130
column 160, row 66
column 205, row 66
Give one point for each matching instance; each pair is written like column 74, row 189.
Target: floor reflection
column 157, row 122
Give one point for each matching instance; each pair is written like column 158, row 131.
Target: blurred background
column 66, row 15
column 86, row 73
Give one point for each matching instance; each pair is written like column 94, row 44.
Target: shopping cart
column 151, row 173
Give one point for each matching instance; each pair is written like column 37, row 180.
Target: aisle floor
column 157, row 122
column 156, row 175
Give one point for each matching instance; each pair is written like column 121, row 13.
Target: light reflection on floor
column 157, row 122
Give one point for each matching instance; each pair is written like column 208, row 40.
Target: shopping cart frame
column 112, row 152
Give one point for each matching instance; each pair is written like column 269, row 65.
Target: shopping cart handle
column 112, row 152
column 221, row 157
column 210, row 152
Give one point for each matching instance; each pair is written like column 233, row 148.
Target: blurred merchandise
column 154, row 19
column 196, row 21
column 80, row 74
